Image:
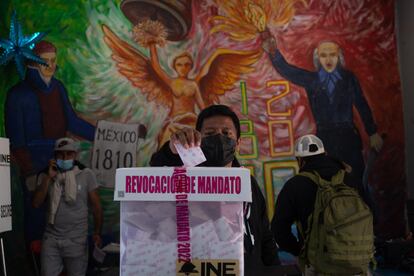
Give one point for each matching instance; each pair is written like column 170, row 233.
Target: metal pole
column 2, row 256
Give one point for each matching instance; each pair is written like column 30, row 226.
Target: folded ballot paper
column 182, row 233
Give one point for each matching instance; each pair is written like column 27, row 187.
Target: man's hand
column 268, row 42
column 42, row 190
column 95, row 202
column 187, row 137
column 97, row 239
column 376, row 142
column 52, row 172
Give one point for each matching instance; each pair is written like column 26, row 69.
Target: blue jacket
column 23, row 118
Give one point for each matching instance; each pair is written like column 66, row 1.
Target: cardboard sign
column 5, row 197
column 202, row 184
column 115, row 146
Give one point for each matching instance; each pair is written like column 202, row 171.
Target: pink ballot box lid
column 200, row 184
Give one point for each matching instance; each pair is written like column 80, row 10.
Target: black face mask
column 218, row 149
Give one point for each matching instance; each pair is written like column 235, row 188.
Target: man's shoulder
column 86, row 171
column 20, row 89
column 346, row 73
column 57, row 81
column 254, row 184
column 57, row 85
column 255, row 189
column 297, row 182
column 88, row 178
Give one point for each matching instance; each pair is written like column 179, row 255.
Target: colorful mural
column 160, row 64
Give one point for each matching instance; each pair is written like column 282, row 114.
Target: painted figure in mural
column 180, row 94
column 332, row 92
column 38, row 112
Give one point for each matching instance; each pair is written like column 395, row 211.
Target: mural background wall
column 273, row 111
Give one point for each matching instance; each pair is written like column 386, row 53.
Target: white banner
column 115, row 146
column 5, row 197
column 200, row 183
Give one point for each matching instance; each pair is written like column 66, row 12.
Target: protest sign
column 115, row 146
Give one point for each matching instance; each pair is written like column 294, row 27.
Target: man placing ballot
column 218, row 134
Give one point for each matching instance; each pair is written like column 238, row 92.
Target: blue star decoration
column 19, row 47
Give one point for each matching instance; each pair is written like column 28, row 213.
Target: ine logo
column 209, row 268
column 188, row 268
column 4, row 158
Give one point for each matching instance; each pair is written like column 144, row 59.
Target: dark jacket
column 296, row 201
column 264, row 251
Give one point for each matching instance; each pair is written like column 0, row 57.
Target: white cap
column 303, row 146
column 66, row 144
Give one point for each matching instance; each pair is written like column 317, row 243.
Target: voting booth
column 182, row 221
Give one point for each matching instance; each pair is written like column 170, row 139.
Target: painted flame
column 256, row 16
column 243, row 20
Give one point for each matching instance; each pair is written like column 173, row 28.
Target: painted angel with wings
column 180, row 94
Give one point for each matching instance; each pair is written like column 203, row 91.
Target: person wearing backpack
column 335, row 228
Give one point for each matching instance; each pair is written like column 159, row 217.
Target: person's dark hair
column 313, row 158
column 218, row 110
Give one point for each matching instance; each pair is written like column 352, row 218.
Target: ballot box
column 182, row 221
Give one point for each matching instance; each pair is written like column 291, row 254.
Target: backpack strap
column 314, row 176
column 336, row 179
